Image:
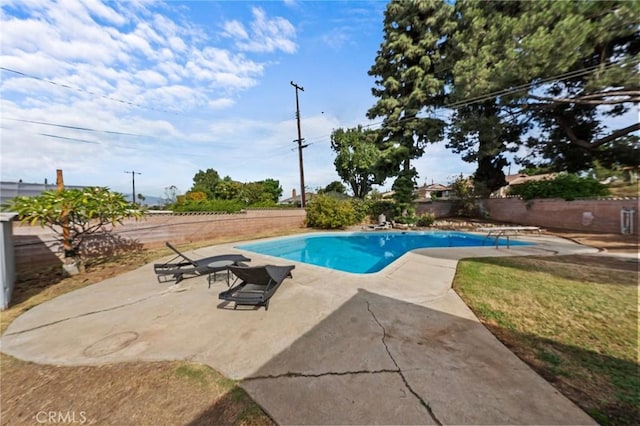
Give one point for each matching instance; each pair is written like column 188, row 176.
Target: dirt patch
column 148, row 393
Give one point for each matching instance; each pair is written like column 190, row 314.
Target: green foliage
column 501, row 45
column 206, row 182
column 195, row 196
column 362, row 209
column 271, row 189
column 83, row 211
column 385, row 207
column 566, row 186
column 426, row 219
column 263, row 193
column 357, row 158
column 410, row 81
column 404, row 193
column 335, row 186
column 222, row 206
column 408, row 219
column 575, row 64
column 330, row 213
column 464, row 203
column 227, row 189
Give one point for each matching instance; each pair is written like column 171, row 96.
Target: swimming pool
column 364, row 252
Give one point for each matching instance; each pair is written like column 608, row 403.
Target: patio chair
column 255, row 285
column 181, row 265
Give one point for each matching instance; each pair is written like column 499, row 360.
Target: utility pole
column 300, row 146
column 133, row 178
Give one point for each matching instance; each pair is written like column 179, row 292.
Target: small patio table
column 219, row 266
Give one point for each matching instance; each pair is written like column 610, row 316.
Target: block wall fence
column 37, row 245
column 597, row 215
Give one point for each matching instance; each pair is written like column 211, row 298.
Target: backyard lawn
column 574, row 319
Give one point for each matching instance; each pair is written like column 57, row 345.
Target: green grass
column 575, row 324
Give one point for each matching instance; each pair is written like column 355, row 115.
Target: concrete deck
column 394, row 347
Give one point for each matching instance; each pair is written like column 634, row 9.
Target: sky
column 166, row 89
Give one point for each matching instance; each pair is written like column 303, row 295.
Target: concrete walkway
column 394, row 347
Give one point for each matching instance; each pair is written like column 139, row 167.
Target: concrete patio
column 395, row 347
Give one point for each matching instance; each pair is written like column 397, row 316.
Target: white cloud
column 266, row 34
column 235, row 29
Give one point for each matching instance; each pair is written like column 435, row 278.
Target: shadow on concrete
column 378, row 360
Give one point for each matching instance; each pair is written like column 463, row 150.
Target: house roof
column 521, row 178
column 296, row 198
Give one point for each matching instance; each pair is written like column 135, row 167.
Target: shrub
column 362, row 209
column 385, row 207
column 409, row 219
column 566, row 186
column 426, row 219
column 330, row 213
column 223, row 206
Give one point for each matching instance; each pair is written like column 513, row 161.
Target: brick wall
column 439, row 208
column 36, row 245
column 578, row 215
column 601, row 216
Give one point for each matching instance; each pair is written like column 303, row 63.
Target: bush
column 426, row 219
column 378, row 207
column 362, row 209
column 330, row 213
column 566, row 186
column 223, row 206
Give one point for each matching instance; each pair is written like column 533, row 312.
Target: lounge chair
column 176, row 270
column 255, row 285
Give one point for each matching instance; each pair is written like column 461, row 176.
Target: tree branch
column 566, row 126
column 591, row 99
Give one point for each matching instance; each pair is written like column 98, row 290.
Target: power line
column 122, row 101
column 86, row 129
column 68, row 139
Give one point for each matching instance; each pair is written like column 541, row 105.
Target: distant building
column 435, row 190
column 294, row 200
column 518, row 179
column 9, row 190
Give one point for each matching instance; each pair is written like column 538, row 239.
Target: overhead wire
column 86, row 129
column 496, row 94
column 123, row 101
column 316, row 139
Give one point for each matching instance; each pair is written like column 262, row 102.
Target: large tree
column 546, row 76
column 480, row 135
column 206, row 182
column 357, row 158
column 566, row 66
column 410, row 83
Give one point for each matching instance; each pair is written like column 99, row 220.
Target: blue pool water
column 364, row 252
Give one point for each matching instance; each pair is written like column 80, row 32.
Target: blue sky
column 192, row 85
column 166, row 89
